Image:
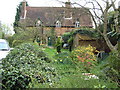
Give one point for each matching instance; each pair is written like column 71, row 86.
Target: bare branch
column 60, row 1
column 113, row 4
column 99, row 6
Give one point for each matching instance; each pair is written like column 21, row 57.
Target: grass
column 71, row 76
column 50, row 52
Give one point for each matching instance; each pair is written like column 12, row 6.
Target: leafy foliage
column 28, row 66
column 27, row 35
column 25, row 64
column 66, row 36
column 17, row 17
column 111, row 67
column 83, row 31
column 85, row 57
column 58, row 44
column 91, row 33
column 1, row 34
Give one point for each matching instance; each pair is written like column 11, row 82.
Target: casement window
column 58, row 24
column 77, row 24
column 38, row 23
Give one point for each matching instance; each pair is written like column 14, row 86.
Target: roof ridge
column 44, row 7
column 53, row 7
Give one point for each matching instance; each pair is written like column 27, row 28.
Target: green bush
column 10, row 40
column 58, row 44
column 17, row 42
column 25, row 64
column 84, row 57
column 112, row 67
column 114, row 61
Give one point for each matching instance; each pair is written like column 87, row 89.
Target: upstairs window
column 38, row 23
column 58, row 24
column 77, row 24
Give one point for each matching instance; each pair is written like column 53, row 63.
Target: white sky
column 8, row 7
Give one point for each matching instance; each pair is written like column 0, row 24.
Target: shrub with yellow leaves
column 85, row 56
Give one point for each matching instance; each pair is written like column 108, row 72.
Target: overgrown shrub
column 85, row 57
column 58, row 44
column 112, row 67
column 9, row 38
column 24, row 64
column 17, row 42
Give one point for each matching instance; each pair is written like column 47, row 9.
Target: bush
column 17, row 42
column 24, row 64
column 85, row 57
column 10, row 40
column 58, row 44
column 112, row 67
column 114, row 61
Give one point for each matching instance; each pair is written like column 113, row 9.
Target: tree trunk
column 112, row 48
column 109, row 44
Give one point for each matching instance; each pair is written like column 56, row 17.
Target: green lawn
column 71, row 75
column 50, row 52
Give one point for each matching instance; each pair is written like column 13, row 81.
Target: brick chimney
column 23, row 9
column 68, row 14
column 68, row 4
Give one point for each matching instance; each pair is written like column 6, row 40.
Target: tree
column 58, row 44
column 17, row 17
column 29, row 34
column 99, row 10
column 100, row 13
column 0, row 31
column 5, row 31
column 52, row 36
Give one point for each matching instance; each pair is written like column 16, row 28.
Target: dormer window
column 58, row 24
column 38, row 23
column 77, row 24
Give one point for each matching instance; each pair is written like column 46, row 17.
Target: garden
column 87, row 56
column 32, row 66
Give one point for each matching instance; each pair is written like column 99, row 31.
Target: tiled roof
column 49, row 16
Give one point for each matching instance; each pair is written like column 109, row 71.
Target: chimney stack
column 23, row 9
column 68, row 4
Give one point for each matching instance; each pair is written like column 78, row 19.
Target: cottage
column 62, row 19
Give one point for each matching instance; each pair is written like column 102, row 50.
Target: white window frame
column 77, row 24
column 38, row 23
column 58, row 24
